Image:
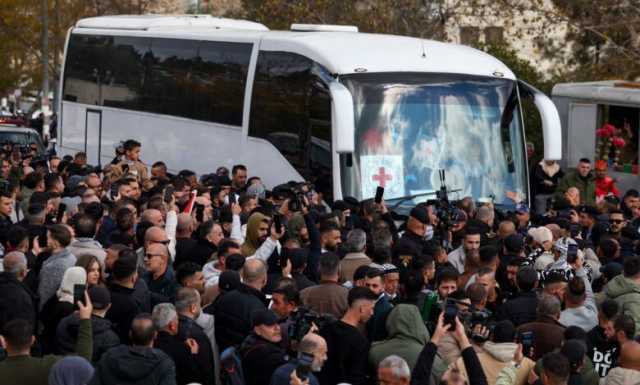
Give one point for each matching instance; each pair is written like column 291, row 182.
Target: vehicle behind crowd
column 347, row 111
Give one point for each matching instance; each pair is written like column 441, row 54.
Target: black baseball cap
column 263, row 317
column 100, row 297
column 421, row 214
column 611, row 269
column 589, row 210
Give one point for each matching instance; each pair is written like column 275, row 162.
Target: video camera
column 445, row 209
column 302, row 321
column 470, row 318
column 295, row 192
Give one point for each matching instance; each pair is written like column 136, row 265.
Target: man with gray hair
column 182, row 351
column 549, row 333
column 16, row 300
column 394, row 370
column 356, row 244
column 189, row 310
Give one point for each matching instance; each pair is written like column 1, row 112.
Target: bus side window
column 291, row 108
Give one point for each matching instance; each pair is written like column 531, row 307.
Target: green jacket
column 27, row 370
column 587, row 187
column 407, row 336
column 627, row 294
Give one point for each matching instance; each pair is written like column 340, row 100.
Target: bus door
column 93, row 136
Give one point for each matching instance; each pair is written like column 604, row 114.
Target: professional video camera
column 445, row 209
column 295, row 193
column 302, row 321
column 470, row 318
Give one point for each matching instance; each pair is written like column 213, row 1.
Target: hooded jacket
column 626, row 293
column 134, row 365
column 587, row 186
column 252, row 240
column 82, row 246
column 104, row 338
column 295, row 224
column 495, row 356
column 51, row 274
column 407, row 335
column 16, row 300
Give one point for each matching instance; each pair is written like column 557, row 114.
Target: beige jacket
column 493, row 357
column 350, row 263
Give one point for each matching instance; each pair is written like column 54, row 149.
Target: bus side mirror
column 551, row 127
column 342, row 118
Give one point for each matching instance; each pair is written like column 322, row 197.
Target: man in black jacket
column 260, row 352
column 233, row 310
column 522, row 309
column 413, row 238
column 138, row 364
column 123, row 305
column 6, row 208
column 188, row 308
column 183, row 352
column 16, row 300
column 104, row 338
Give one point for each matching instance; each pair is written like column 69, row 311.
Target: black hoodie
column 134, row 365
column 104, row 337
column 602, row 351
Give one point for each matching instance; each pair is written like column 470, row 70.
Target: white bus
column 346, row 110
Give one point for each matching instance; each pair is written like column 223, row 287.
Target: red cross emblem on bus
column 382, row 177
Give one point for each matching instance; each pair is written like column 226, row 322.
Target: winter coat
column 621, row 376
column 548, row 335
column 350, row 263
column 520, row 310
column 327, row 297
column 252, row 241
column 187, row 369
column 539, row 175
column 28, row 370
column 88, row 246
column 51, row 274
column 260, row 359
column 347, row 355
column 626, row 293
column 407, row 336
column 586, row 186
column 165, row 286
column 232, row 313
column 16, row 300
column 123, row 310
column 104, row 338
column 134, row 365
column 376, row 326
column 495, row 356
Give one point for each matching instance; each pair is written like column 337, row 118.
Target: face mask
column 429, row 233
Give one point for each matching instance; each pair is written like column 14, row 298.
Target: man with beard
column 330, row 236
column 602, row 345
column 414, row 236
column 312, row 345
column 262, row 237
column 468, row 253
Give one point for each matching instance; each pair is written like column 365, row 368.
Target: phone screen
column 379, row 194
column 78, row 293
column 61, row 209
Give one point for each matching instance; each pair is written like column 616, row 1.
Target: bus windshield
column 408, row 126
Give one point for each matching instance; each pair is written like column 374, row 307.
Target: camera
column 295, row 192
column 470, row 318
column 302, row 321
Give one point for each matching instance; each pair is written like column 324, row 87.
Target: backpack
column 231, row 367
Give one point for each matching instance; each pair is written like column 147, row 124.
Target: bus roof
column 339, row 52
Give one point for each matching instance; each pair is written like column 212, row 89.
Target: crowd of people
column 126, row 274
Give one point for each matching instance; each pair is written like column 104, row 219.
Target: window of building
column 618, row 136
column 469, row 35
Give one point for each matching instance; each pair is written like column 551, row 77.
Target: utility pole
column 45, row 69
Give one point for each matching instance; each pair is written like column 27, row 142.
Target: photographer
column 312, row 353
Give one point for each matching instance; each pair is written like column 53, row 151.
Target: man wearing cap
column 414, row 235
column 104, row 338
column 523, row 218
column 605, row 184
column 591, row 230
column 260, row 352
column 582, row 179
